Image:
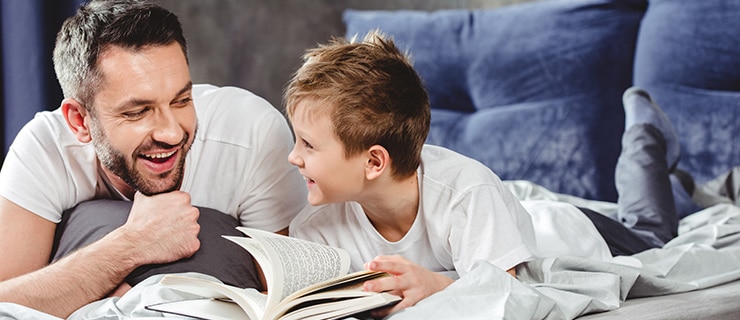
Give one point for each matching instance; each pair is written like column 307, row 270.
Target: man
column 133, row 127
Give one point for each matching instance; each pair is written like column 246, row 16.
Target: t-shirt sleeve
column 35, row 175
column 492, row 226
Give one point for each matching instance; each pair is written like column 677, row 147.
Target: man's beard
column 115, row 161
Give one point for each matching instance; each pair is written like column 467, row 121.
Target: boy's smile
column 309, row 182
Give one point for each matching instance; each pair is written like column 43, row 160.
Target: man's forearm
column 82, row 277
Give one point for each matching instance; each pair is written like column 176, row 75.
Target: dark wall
column 27, row 81
column 257, row 44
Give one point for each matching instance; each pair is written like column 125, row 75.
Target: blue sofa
column 533, row 90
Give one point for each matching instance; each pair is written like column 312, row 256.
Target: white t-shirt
column 465, row 215
column 238, row 163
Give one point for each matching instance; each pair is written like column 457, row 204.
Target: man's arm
column 160, row 229
column 58, row 289
column 25, row 240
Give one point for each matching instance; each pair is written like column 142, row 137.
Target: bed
column 696, row 275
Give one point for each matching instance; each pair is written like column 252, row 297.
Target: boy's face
column 319, row 156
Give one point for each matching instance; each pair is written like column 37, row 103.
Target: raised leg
column 646, row 203
column 650, row 151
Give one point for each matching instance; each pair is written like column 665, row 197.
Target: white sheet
column 706, row 253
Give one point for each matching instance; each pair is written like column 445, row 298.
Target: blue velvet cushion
column 688, row 58
column 532, row 90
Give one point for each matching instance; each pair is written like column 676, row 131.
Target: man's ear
column 75, row 113
column 378, row 161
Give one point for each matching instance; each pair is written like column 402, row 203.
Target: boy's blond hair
column 372, row 94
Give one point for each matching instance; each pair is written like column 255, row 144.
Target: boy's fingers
column 388, row 264
column 382, row 284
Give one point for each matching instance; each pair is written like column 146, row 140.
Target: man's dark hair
column 100, row 24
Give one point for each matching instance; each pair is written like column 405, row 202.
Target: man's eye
column 184, row 102
column 136, row 113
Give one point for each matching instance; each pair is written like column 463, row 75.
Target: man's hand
column 164, row 227
column 410, row 281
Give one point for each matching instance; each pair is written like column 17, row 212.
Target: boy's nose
column 294, row 159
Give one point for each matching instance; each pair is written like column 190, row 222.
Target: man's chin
column 150, row 184
column 151, row 188
column 151, row 192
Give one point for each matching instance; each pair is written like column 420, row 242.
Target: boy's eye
column 306, row 144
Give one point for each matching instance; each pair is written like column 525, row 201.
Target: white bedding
column 706, row 253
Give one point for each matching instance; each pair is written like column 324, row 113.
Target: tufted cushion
column 688, row 58
column 531, row 90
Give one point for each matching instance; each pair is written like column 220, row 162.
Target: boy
column 360, row 116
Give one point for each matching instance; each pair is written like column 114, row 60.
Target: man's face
column 143, row 121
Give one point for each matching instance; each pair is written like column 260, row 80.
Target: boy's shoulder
column 440, row 160
column 446, row 171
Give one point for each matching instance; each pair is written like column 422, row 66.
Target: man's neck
column 118, row 184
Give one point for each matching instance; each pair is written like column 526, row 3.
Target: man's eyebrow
column 137, row 102
column 186, row 88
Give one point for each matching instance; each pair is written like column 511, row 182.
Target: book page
column 351, row 291
column 341, row 308
column 250, row 300
column 297, row 263
column 259, row 254
column 202, row 309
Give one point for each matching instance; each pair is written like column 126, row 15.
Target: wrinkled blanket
column 706, row 253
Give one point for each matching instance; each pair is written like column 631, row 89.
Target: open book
column 305, row 280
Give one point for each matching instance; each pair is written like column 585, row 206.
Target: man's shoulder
column 45, row 155
column 235, row 115
column 215, row 100
column 47, row 127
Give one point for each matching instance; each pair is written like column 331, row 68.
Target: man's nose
column 167, row 127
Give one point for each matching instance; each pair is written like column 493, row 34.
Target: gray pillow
column 218, row 257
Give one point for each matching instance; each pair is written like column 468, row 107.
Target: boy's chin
column 316, row 200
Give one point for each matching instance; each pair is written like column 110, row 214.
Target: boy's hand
column 410, row 281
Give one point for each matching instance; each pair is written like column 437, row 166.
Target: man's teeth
column 160, row 155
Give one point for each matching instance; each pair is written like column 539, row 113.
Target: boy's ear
column 75, row 114
column 377, row 162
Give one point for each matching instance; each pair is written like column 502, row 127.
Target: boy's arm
column 92, row 272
